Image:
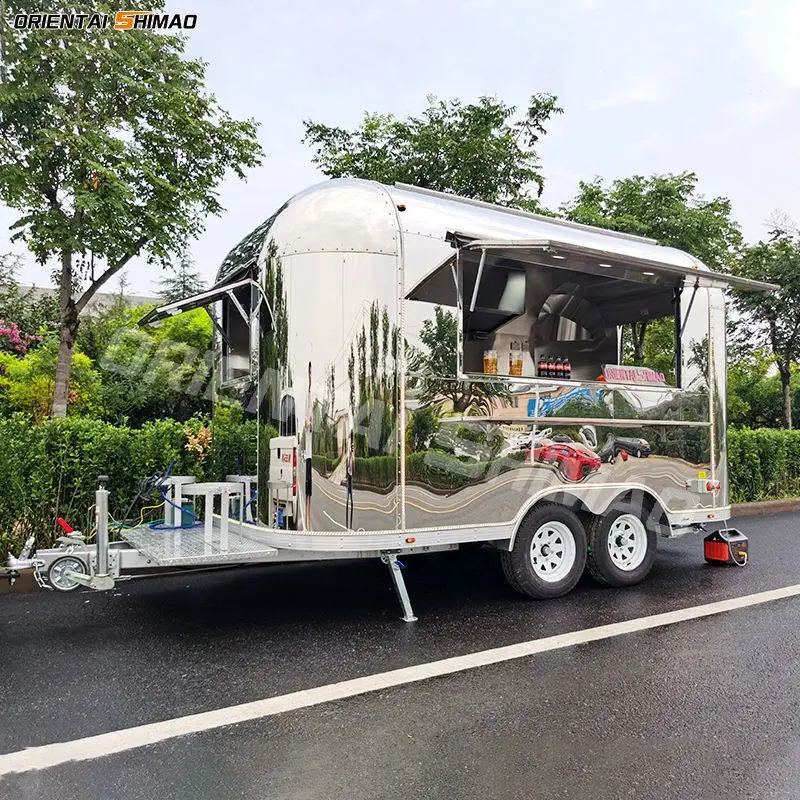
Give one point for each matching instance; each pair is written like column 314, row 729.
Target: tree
column 183, row 281
column 772, row 320
column 430, row 370
column 26, row 383
column 110, row 147
column 666, row 208
column 149, row 374
column 754, row 396
column 478, row 150
column 33, row 314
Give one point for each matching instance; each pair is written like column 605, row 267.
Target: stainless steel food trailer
column 444, row 371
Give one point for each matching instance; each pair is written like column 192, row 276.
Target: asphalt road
column 708, row 708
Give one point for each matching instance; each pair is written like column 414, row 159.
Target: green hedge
column 446, row 471
column 377, row 471
column 763, row 464
column 50, row 470
column 325, row 465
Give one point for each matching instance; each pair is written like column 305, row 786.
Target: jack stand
column 102, row 580
column 390, row 559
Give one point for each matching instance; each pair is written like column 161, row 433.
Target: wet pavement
column 706, row 708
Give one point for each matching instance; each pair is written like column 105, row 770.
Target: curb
column 763, row 507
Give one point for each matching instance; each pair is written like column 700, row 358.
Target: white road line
column 106, row 744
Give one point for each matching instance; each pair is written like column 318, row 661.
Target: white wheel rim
column 553, row 552
column 627, row 542
column 58, row 576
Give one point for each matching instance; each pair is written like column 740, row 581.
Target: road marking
column 106, row 744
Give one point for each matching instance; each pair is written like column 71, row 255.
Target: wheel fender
column 591, row 499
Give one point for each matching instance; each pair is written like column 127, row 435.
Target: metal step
column 191, row 546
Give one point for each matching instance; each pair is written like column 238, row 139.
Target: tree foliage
column 33, row 313
column 771, row 320
column 182, row 280
column 110, row 147
column 26, row 383
column 669, row 209
column 150, row 374
column 482, row 150
column 666, row 208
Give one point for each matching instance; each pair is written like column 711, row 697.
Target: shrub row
column 763, row 464
column 50, row 470
column 325, row 465
column 446, row 471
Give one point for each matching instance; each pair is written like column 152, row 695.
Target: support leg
column 208, row 520
column 390, row 559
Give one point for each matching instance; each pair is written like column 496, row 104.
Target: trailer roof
column 518, row 212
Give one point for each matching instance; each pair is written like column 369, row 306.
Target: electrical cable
column 159, row 524
column 736, row 561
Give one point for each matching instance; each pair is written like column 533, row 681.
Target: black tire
column 600, row 563
column 519, row 565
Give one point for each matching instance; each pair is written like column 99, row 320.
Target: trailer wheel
column 549, row 553
column 57, row 576
column 621, row 547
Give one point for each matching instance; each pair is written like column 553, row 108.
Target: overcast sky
column 646, row 87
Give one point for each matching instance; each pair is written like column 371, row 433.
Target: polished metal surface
column 350, row 269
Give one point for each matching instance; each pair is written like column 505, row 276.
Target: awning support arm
column 232, row 297
column 477, row 281
column 688, row 309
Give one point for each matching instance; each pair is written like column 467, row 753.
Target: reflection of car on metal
column 624, row 447
column 639, row 448
column 574, row 461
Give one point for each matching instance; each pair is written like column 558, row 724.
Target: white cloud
column 641, row 90
column 772, row 38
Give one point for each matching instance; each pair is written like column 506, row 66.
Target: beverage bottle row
column 553, row 367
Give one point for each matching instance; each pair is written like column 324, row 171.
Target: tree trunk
column 786, row 377
column 68, row 329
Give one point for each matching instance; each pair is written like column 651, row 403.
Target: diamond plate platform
column 191, row 546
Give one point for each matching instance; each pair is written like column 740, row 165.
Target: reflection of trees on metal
column 371, row 374
column 274, row 346
column 699, row 356
column 326, row 448
column 429, row 371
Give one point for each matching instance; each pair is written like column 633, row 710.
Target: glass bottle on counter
column 567, row 368
column 541, row 367
column 559, row 368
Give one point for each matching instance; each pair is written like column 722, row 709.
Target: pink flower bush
column 15, row 340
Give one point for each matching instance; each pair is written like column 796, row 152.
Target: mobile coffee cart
column 396, row 338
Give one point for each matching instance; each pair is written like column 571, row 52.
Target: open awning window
column 234, row 293
column 480, row 256
column 574, row 301
column 244, row 317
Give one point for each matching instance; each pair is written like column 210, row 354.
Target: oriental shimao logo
column 120, row 21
